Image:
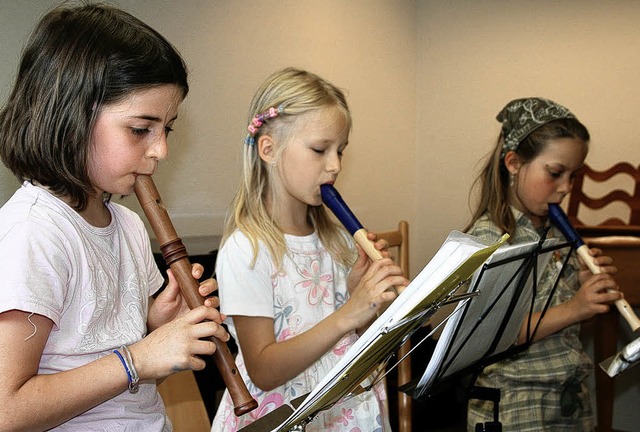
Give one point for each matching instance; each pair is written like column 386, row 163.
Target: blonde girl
column 294, row 287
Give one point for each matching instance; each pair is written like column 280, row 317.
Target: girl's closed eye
column 555, row 172
column 140, row 131
column 318, row 150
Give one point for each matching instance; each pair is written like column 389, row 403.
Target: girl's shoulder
column 239, row 246
column 34, row 225
column 237, row 240
column 485, row 228
column 34, row 209
column 237, row 253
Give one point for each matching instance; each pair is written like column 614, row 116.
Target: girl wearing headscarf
column 540, row 148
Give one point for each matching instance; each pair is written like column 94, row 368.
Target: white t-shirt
column 93, row 283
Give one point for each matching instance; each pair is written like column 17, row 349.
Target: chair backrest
column 399, row 240
column 618, row 236
column 581, row 200
column 183, row 403
column 399, row 247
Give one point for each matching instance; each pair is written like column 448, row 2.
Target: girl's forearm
column 281, row 361
column 556, row 319
column 47, row 400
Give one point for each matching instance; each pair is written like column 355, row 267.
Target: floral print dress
column 309, row 287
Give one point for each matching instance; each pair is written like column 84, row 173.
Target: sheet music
column 470, row 334
column 456, row 260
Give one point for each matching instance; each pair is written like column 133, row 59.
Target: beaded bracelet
column 127, row 362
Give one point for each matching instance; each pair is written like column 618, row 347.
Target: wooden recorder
column 176, row 257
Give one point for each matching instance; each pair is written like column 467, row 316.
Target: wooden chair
column 399, row 246
column 184, row 404
column 580, row 199
column 618, row 236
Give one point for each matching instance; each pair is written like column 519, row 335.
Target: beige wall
column 473, row 57
column 424, row 79
column 365, row 47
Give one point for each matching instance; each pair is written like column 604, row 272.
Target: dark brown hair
column 77, row 60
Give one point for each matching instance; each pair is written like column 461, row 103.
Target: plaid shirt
column 543, row 388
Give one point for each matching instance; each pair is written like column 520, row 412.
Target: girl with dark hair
column 82, row 340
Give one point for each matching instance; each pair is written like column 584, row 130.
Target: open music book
column 454, row 263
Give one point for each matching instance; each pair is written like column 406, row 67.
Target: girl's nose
column 565, row 185
column 334, row 163
column 159, row 149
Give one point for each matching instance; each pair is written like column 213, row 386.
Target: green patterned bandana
column 520, row 117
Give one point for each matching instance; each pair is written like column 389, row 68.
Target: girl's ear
column 512, row 162
column 265, row 148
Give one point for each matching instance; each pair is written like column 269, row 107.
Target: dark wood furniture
column 618, row 235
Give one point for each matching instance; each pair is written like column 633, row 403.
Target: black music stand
column 483, row 329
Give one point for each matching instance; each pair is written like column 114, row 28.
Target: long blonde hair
column 293, row 92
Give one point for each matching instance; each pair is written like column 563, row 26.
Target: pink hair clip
column 258, row 120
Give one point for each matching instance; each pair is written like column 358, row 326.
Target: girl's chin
column 541, row 213
column 122, row 191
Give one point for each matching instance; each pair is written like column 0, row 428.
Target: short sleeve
column 35, row 270
column 243, row 289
